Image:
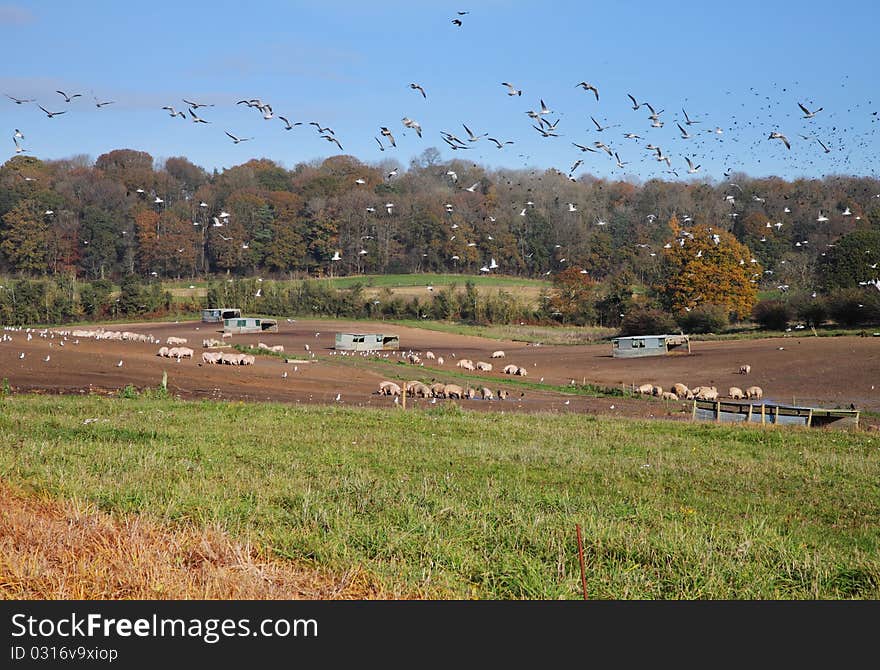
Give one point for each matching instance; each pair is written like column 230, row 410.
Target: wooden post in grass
column 581, row 559
column 403, row 396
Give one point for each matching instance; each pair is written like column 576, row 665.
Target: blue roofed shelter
column 638, row 346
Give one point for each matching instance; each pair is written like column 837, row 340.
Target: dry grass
column 72, row 551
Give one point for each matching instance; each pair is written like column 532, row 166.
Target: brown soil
column 829, row 372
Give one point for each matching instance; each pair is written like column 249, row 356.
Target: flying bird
column 457, row 22
column 511, row 89
column 779, row 136
column 807, row 113
column 236, row 140
column 635, row 104
column 589, row 87
column 287, row 124
column 19, row 101
column 100, row 104
column 387, row 133
column 409, row 123
column 821, row 144
column 471, row 136
column 196, row 105
column 418, row 88
column 48, row 113
column 691, row 168
column 498, row 143
column 68, row 98
column 196, row 118
column 172, row 112
column 330, row 138
column 688, row 121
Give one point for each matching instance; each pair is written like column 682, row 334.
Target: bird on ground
column 821, row 218
column 492, row 264
column 68, row 98
column 572, row 207
column 779, row 136
column 498, row 143
column 807, row 113
column 47, row 358
column 236, row 140
column 387, row 133
column 48, row 113
column 21, row 355
column 589, row 87
column 418, row 88
column 511, row 89
column 287, row 124
column 360, row 180
column 119, row 364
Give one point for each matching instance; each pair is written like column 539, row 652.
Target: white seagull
column 236, row 140
column 807, row 113
column 511, row 89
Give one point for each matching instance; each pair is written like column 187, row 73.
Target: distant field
column 445, row 503
column 404, row 285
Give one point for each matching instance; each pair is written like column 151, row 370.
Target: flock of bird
column 641, row 145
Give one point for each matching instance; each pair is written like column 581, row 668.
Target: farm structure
column 726, row 411
column 649, row 345
column 219, row 314
column 250, row 324
column 366, row 341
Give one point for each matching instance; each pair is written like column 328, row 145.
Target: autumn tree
column 24, row 238
column 571, row 298
column 706, row 265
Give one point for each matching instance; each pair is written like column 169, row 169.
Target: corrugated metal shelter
column 250, row 324
column 218, row 314
column 743, row 411
column 649, row 345
column 366, row 341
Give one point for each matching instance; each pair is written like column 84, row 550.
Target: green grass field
column 446, row 503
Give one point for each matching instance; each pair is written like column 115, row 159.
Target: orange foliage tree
column 709, row 266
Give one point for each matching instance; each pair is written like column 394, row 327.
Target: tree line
column 690, row 247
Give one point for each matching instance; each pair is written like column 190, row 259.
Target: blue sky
column 740, row 67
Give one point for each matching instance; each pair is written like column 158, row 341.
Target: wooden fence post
column 403, row 394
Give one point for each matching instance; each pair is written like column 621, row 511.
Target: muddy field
column 824, row 372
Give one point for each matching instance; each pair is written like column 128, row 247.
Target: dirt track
column 826, row 372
